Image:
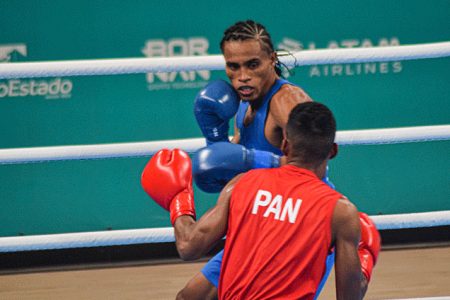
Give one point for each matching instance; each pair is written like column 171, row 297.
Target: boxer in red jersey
column 280, row 223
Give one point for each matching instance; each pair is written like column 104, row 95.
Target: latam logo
column 337, row 70
column 172, row 48
column 55, row 88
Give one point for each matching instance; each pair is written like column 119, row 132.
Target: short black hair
column 311, row 130
column 250, row 30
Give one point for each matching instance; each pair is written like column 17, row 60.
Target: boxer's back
column 279, row 234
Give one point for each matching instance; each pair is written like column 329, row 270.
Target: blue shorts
column 212, row 268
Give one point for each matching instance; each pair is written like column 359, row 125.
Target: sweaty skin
column 345, row 236
column 251, row 71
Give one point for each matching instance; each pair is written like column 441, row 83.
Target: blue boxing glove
column 215, row 165
column 214, row 106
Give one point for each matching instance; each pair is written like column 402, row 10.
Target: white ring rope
column 216, row 62
column 349, row 137
column 161, row 235
column 212, row 62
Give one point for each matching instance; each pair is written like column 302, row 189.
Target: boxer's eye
column 232, row 66
column 253, row 64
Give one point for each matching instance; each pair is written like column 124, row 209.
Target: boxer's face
column 250, row 69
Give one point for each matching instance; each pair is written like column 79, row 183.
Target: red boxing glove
column 167, row 179
column 369, row 245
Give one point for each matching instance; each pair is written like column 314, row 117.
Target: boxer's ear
column 285, row 144
column 334, row 151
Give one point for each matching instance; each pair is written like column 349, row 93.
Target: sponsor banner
column 291, row 45
column 49, row 89
column 53, row 88
column 95, row 195
column 173, row 47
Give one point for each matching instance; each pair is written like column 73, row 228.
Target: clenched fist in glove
column 167, row 179
column 369, row 245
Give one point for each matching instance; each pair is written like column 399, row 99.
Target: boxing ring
column 212, row 62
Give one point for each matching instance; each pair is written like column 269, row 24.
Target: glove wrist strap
column 181, row 205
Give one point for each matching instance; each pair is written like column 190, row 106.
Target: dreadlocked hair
column 250, row 30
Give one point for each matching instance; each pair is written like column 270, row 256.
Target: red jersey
column 279, row 235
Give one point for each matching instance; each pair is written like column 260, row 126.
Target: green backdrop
column 74, row 196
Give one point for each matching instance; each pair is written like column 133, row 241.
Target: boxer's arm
column 346, row 232
column 195, row 239
column 282, row 104
column 284, row 101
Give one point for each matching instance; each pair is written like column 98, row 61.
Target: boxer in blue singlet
column 212, row 178
column 261, row 102
column 252, row 136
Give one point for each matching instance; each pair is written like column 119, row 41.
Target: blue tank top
column 252, row 136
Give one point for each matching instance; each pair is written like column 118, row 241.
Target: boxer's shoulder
column 290, row 93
